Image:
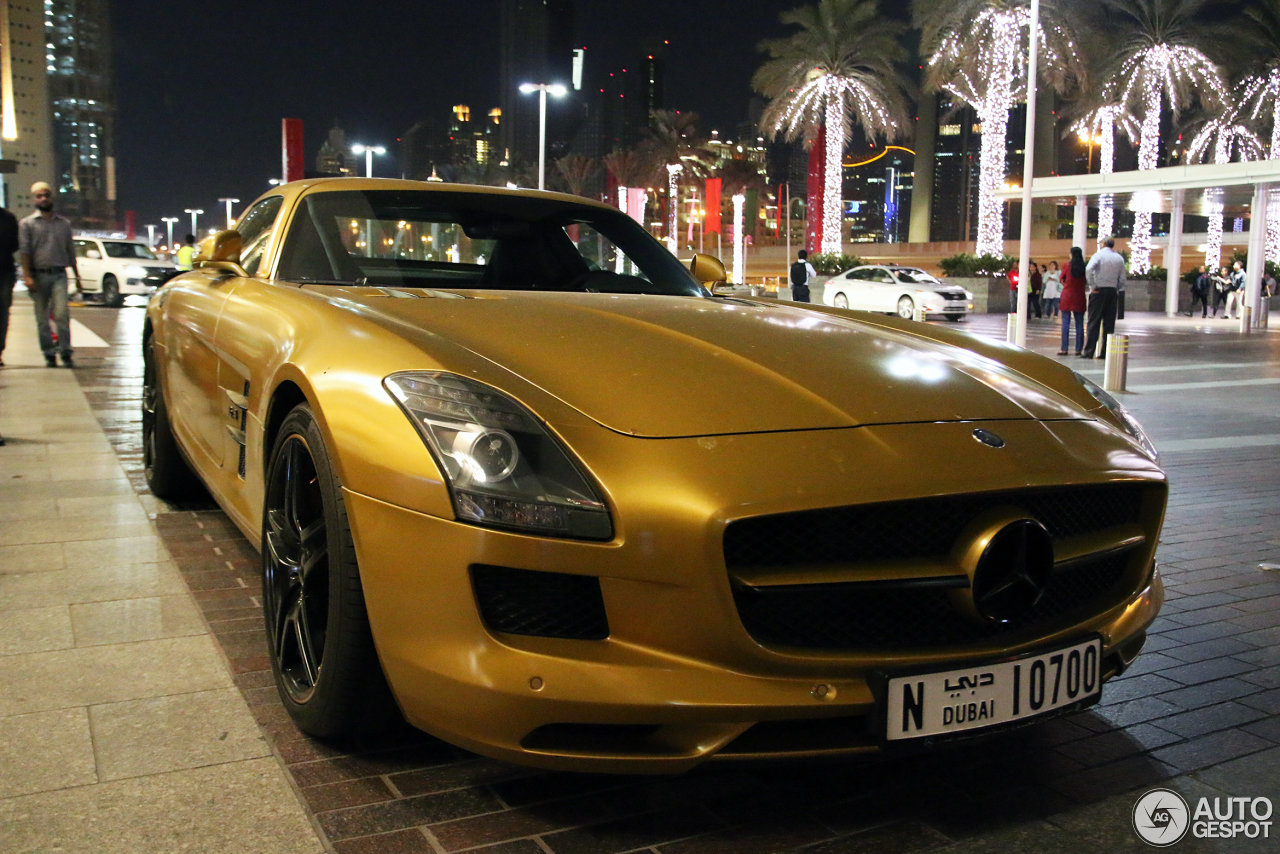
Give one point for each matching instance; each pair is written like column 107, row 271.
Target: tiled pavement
column 1199, row 712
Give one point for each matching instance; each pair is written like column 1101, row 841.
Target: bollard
column 918, row 314
column 1011, row 332
column 1246, row 319
column 1116, row 367
column 1264, row 311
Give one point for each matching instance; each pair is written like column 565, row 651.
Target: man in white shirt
column 802, row 273
column 1105, row 276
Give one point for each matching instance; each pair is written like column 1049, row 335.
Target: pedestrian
column 46, row 249
column 187, row 254
column 1200, row 289
column 1268, row 285
column 1221, row 285
column 1035, row 290
column 1105, row 276
column 8, row 272
column 802, row 273
column 1072, row 301
column 1235, row 295
column 1052, row 290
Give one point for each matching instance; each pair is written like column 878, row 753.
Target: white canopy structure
column 1236, row 189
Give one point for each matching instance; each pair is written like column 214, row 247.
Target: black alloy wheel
column 322, row 653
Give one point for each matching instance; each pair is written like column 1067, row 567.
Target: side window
column 883, row 276
column 255, row 229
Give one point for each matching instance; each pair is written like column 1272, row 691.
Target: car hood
column 657, row 366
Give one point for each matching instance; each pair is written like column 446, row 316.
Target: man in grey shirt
column 1105, row 275
column 46, row 250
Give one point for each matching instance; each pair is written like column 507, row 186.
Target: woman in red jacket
column 1073, row 302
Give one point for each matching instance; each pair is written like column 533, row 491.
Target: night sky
column 201, row 87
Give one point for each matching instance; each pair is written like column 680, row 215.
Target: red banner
column 292, row 157
column 130, row 229
column 712, row 225
column 813, row 202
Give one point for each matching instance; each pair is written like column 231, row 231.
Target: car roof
column 308, row 186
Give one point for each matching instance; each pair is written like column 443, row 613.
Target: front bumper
column 679, row 680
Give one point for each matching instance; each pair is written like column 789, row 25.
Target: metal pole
column 1173, row 257
column 1028, row 170
column 368, row 163
column 542, row 136
column 1115, row 369
column 787, row 260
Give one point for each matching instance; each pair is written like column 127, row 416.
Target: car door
column 860, row 290
column 89, row 263
column 246, row 331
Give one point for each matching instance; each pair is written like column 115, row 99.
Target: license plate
column 969, row 698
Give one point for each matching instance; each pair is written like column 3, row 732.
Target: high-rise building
column 81, row 91
column 877, row 196
column 536, row 47
column 26, row 128
column 335, row 156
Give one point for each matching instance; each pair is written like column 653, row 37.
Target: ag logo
column 1161, row 817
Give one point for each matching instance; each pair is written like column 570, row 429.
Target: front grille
column 542, row 604
column 912, row 530
column 891, row 615
column 854, row 616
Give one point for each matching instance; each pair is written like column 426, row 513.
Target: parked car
column 503, row 450
column 900, row 290
column 112, row 268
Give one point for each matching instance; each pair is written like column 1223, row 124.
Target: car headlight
column 1131, row 425
column 503, row 467
column 135, row 272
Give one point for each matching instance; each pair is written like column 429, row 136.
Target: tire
column 322, row 653
column 111, row 292
column 168, row 475
column 906, row 308
column 841, row 301
column 954, row 318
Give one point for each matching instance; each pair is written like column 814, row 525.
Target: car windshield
column 127, row 250
column 457, row 240
column 912, row 276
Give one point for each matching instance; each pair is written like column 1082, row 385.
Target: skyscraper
column 536, row 47
column 81, row 91
column 27, row 140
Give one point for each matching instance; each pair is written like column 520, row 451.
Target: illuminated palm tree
column 1158, row 57
column 676, row 145
column 1227, row 137
column 977, row 50
column 837, row 69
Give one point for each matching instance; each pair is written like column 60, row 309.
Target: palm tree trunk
column 1213, row 251
column 994, row 115
column 1273, row 209
column 833, row 172
column 1107, row 165
column 1148, row 148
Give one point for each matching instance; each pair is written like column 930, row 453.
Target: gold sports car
column 504, row 451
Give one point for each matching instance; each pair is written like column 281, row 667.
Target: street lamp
column 368, row 151
column 169, row 221
column 195, row 215
column 230, row 220
column 559, row 90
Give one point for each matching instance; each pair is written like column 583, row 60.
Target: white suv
column 111, row 268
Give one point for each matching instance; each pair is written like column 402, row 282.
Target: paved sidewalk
column 120, row 727
column 1199, row 712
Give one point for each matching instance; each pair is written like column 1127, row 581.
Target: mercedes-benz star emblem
column 1014, row 570
column 986, row 437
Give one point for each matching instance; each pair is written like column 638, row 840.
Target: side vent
column 238, row 412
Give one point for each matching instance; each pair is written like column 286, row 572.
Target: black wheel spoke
column 306, row 650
